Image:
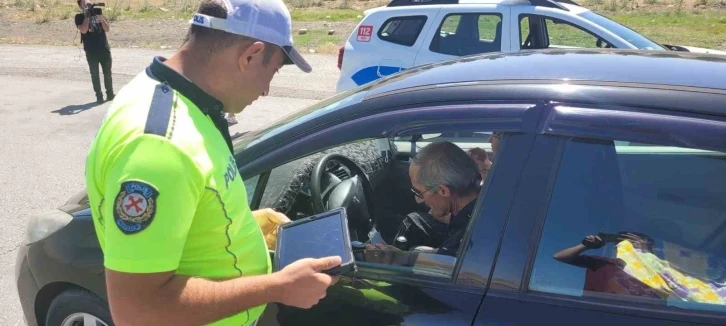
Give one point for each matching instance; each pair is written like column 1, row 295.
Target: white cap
column 264, row 20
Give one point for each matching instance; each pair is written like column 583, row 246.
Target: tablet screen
column 315, row 239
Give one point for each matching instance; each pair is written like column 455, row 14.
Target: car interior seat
column 475, row 45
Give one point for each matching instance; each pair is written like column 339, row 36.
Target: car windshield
column 299, row 117
column 625, row 33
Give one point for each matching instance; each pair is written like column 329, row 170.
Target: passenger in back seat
column 481, row 157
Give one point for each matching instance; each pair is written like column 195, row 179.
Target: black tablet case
column 348, row 264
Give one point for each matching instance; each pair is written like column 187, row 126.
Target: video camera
column 93, row 9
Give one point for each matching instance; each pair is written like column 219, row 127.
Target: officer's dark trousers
column 103, row 59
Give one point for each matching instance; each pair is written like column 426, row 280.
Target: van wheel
column 78, row 308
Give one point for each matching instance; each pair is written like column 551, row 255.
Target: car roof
column 500, row 73
column 665, row 68
column 415, row 4
column 408, row 5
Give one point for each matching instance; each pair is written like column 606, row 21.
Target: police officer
column 180, row 243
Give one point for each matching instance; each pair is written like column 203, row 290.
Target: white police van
column 409, row 33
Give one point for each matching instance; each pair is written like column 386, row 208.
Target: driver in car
column 447, row 180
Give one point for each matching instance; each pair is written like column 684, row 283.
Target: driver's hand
column 269, row 220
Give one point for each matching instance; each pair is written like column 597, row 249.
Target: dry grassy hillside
column 162, row 23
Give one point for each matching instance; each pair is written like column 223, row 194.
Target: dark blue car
column 605, row 203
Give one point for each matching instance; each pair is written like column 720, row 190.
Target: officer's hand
column 305, row 285
column 269, row 220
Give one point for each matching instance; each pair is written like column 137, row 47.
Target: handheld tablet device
column 316, row 236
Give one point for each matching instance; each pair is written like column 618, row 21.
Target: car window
column 402, row 30
column 631, row 36
column 635, row 223
column 565, row 35
column 525, row 39
column 488, row 28
column 416, row 243
column 465, row 140
column 250, row 186
column 243, row 143
column 561, row 34
column 425, row 252
column 466, row 34
column 280, row 185
column 288, row 185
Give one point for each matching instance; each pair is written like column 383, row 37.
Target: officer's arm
column 82, row 22
column 168, row 299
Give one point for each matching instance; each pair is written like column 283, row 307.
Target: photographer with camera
column 93, row 27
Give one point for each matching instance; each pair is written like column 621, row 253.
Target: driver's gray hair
column 443, row 163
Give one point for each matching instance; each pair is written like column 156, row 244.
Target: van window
column 402, row 30
column 540, row 32
column 466, row 34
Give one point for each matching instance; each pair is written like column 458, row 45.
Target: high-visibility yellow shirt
column 164, row 188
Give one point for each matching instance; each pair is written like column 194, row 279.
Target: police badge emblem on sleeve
column 135, row 206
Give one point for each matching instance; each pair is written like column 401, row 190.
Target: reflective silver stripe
column 157, row 121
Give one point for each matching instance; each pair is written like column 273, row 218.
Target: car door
column 449, row 294
column 542, row 28
column 466, row 30
column 645, row 185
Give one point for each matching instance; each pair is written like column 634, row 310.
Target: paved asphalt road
column 49, row 118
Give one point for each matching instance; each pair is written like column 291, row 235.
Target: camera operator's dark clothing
column 95, row 39
column 456, row 230
column 98, row 53
column 102, row 58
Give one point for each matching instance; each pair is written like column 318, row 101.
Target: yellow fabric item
column 660, row 276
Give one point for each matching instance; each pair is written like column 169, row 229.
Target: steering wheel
column 355, row 194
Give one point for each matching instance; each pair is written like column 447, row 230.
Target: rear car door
column 461, row 30
column 620, row 220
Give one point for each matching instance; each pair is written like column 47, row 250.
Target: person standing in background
column 93, row 28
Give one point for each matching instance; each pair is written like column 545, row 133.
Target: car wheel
column 78, row 308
